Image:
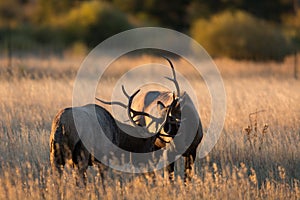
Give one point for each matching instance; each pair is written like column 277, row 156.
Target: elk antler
column 130, row 112
column 174, row 80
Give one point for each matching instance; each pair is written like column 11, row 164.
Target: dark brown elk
column 67, row 147
column 183, row 121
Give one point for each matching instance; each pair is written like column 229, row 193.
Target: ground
column 257, row 155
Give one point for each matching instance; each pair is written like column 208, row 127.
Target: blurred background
column 238, row 29
column 254, row 43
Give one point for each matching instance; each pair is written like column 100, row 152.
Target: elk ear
column 161, row 107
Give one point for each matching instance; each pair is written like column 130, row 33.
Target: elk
column 67, row 147
column 182, row 127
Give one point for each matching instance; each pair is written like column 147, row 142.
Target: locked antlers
column 130, row 112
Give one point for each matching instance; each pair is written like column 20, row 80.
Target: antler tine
column 130, row 110
column 128, row 107
column 174, row 80
column 126, row 94
column 117, row 102
column 112, row 103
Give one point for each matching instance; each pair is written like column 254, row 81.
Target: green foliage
column 162, row 13
column 292, row 28
column 63, row 23
column 87, row 22
column 110, row 21
column 241, row 36
column 43, row 11
column 92, row 22
column 25, row 38
column 264, row 9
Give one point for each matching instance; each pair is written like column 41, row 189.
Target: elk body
column 67, row 148
column 157, row 103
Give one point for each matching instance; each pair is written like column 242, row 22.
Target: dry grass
column 238, row 167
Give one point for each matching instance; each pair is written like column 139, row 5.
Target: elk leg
column 80, row 158
column 103, row 171
column 56, row 157
column 170, row 170
column 188, row 166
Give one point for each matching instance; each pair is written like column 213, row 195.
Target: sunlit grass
column 235, row 169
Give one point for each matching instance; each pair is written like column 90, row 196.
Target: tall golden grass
column 245, row 163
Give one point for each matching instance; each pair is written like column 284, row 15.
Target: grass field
column 256, row 157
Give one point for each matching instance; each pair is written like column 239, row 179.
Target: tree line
column 26, row 24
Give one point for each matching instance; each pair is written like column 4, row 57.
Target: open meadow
column 256, row 157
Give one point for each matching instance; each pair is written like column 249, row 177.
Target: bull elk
column 182, row 125
column 67, row 147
